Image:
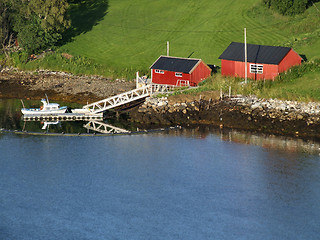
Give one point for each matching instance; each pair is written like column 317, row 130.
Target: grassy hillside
column 133, row 33
column 118, row 37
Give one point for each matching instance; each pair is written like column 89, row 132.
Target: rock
column 256, row 105
column 161, row 104
column 299, row 117
column 281, row 107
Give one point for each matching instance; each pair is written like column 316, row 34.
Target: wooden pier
column 144, row 89
column 63, row 117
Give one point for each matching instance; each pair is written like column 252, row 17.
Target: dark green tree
column 37, row 24
column 52, row 14
column 288, row 7
column 5, row 28
column 40, row 24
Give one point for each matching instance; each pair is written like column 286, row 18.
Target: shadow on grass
column 84, row 15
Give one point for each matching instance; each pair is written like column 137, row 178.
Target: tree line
column 288, row 7
column 33, row 24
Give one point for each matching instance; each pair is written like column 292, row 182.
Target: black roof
column 175, row 64
column 255, row 53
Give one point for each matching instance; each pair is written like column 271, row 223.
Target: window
column 255, row 68
column 159, row 71
column 178, row 74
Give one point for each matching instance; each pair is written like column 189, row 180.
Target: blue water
column 155, row 186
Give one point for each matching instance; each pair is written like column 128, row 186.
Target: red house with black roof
column 263, row 62
column 179, row 71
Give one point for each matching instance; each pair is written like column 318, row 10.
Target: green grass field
column 116, row 38
column 133, row 33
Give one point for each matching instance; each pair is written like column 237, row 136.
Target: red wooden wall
column 201, row 72
column 237, row 69
column 291, row 59
column 270, row 71
column 168, row 77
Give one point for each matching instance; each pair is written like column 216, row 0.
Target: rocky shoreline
column 247, row 113
column 288, row 118
column 59, row 86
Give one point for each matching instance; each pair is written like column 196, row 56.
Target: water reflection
column 94, row 126
column 46, row 125
column 267, row 141
column 11, row 119
column 71, row 126
column 104, row 128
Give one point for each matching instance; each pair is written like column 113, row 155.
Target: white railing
column 142, row 81
column 161, row 88
column 144, row 88
column 104, row 128
column 119, row 100
column 183, row 83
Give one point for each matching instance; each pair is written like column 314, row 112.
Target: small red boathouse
column 179, row 71
column 263, row 62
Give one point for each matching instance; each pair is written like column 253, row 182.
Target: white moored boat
column 46, row 109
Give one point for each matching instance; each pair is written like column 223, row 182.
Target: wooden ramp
column 127, row 97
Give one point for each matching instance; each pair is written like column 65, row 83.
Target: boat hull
column 38, row 111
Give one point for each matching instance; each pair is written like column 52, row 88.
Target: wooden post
column 137, row 79
column 245, row 56
column 168, row 47
column 229, row 91
column 22, row 103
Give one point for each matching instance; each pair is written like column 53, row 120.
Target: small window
column 178, row 74
column 255, row 68
column 159, row 71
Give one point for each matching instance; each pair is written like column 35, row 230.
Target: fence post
column 137, row 80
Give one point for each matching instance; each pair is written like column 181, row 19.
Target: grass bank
column 299, row 83
column 60, row 61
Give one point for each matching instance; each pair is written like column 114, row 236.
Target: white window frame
column 159, row 71
column 256, row 68
column 178, row 74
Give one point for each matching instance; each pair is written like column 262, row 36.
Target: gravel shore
column 59, row 86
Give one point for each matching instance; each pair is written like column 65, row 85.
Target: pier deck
column 64, row 116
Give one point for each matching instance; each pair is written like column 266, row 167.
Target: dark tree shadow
column 84, row 15
column 311, row 2
column 214, row 68
column 304, row 57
